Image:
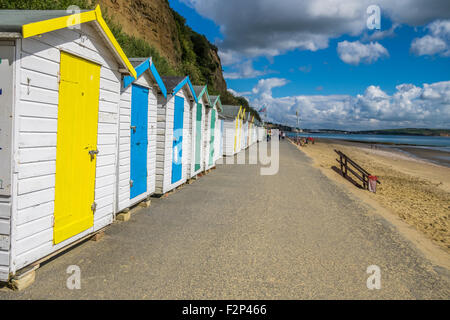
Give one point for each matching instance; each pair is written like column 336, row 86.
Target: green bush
column 197, row 61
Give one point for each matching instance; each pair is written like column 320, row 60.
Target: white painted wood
column 202, row 104
column 229, row 136
column 36, row 114
column 4, row 261
column 5, row 210
column 164, row 141
column 207, row 138
column 4, row 226
column 124, row 161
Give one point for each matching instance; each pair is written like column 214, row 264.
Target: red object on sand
column 373, row 184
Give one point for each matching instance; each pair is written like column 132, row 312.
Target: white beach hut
column 136, row 179
column 174, row 134
column 259, row 131
column 231, row 116
column 201, row 129
column 59, row 104
column 213, row 117
column 251, row 130
column 245, row 132
column 262, row 133
column 217, row 105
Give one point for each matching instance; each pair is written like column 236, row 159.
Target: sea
column 434, row 149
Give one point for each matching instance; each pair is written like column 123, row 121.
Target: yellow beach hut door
column 76, row 146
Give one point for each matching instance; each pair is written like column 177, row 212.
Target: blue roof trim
column 127, row 80
column 144, row 66
column 158, row 80
column 181, row 85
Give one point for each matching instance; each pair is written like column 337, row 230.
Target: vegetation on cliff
column 199, row 58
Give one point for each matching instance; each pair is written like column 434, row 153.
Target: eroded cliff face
column 154, row 21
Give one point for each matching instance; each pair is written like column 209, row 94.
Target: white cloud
column 409, row 106
column 269, row 28
column 264, row 86
column 379, row 35
column 240, row 94
column 244, row 70
column 436, row 42
column 356, row 52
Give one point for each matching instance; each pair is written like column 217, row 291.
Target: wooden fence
column 348, row 165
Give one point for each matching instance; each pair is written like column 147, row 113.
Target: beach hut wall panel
column 137, row 163
column 207, row 140
column 66, row 94
column 174, row 134
column 231, row 116
column 240, row 134
column 254, row 133
column 257, row 133
column 261, row 134
column 229, row 137
column 215, row 133
column 219, row 140
column 198, row 127
column 209, row 159
column 244, row 135
column 201, row 138
column 250, row 133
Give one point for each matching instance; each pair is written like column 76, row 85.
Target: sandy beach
column 415, row 190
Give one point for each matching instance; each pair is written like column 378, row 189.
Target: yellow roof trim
column 40, row 27
column 239, row 113
column 36, row 28
column 114, row 42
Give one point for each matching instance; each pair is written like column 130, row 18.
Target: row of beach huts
column 87, row 133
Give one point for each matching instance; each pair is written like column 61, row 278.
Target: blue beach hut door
column 177, row 150
column 139, row 140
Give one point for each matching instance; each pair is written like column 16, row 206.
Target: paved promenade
column 235, row 234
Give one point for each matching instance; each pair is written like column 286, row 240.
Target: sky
column 341, row 64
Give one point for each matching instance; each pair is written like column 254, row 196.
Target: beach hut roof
column 216, row 101
column 229, row 112
column 200, row 91
column 141, row 65
column 174, row 84
column 29, row 23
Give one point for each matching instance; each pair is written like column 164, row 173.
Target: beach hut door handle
column 93, row 153
column 94, row 207
column 133, row 128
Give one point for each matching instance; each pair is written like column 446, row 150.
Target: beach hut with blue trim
column 216, row 135
column 174, row 133
column 60, row 80
column 201, row 129
column 136, row 178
